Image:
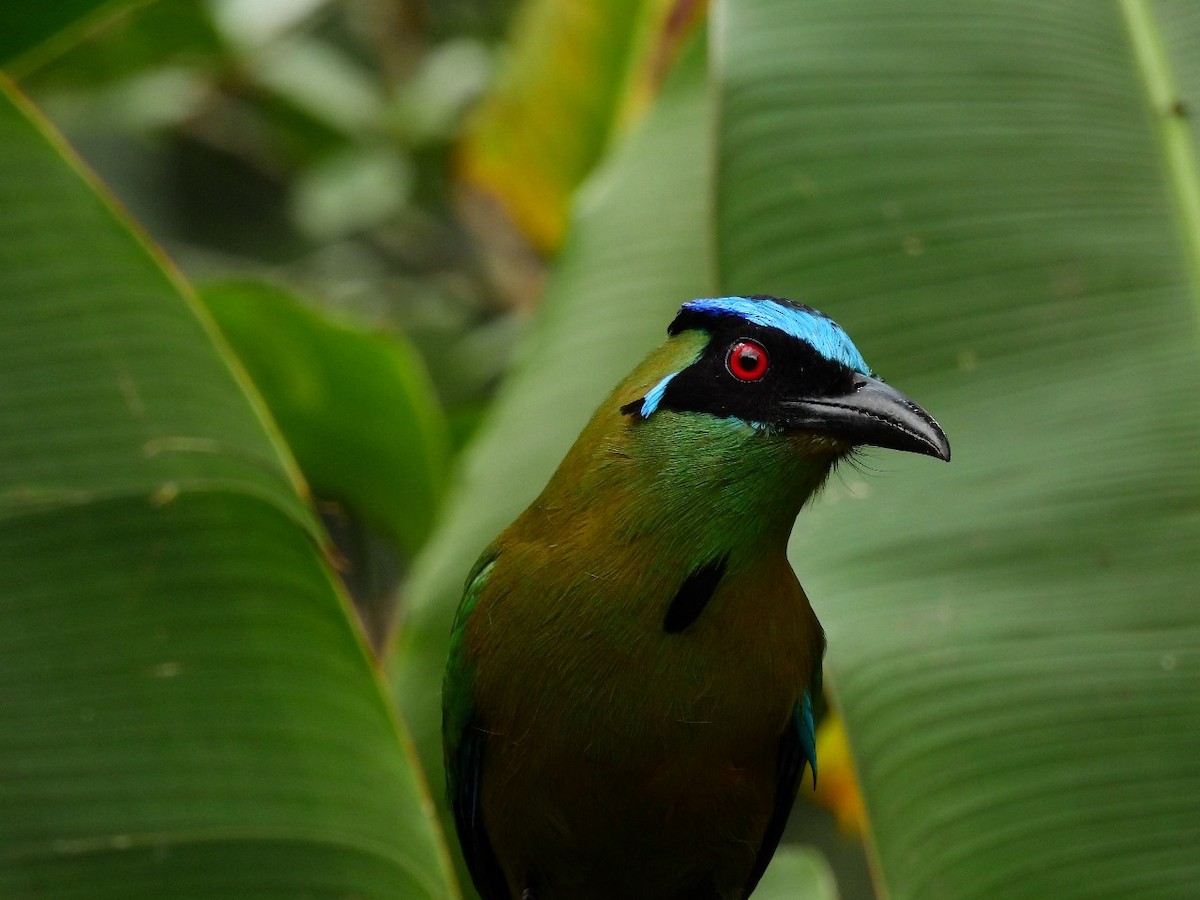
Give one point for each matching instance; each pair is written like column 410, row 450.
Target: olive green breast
column 610, row 739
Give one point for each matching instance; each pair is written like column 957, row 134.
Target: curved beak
column 871, row 413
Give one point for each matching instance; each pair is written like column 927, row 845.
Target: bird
column 628, row 700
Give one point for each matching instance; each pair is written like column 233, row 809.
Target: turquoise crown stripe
column 817, row 329
column 654, row 396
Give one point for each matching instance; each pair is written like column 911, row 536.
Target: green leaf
column 187, row 708
column 797, row 872
column 140, row 39
column 998, row 201
column 577, row 73
column 357, row 408
column 33, row 29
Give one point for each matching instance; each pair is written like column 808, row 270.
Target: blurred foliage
column 578, row 76
column 795, row 873
column 305, row 141
column 385, row 470
column 318, row 377
column 32, row 30
column 837, row 788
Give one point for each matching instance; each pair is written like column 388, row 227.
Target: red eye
column 747, row 361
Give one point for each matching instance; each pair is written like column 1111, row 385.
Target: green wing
column 464, row 742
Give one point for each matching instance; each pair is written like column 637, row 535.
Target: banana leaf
column 186, row 706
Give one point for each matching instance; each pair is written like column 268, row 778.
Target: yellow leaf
column 578, row 74
column 837, row 788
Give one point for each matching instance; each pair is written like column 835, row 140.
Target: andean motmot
column 628, row 702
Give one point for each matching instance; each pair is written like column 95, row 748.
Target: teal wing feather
column 464, row 742
column 807, row 726
column 797, row 748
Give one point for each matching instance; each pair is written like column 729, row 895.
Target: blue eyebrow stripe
column 654, row 397
column 821, row 332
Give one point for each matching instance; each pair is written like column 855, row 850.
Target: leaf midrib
column 1173, row 126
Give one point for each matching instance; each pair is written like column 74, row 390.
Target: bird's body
column 628, row 703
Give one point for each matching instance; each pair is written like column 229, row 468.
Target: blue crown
column 803, row 322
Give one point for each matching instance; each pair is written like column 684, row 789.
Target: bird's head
column 785, row 370
column 728, row 428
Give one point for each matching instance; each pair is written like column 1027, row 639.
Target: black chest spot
column 693, row 595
